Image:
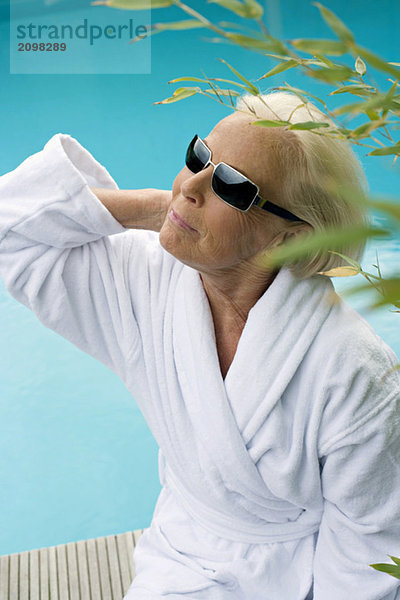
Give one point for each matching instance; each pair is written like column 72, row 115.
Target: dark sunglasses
column 231, row 186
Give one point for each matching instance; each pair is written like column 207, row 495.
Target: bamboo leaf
column 396, row 560
column 331, row 75
column 335, row 23
column 325, row 61
column 389, row 294
column 248, row 9
column 351, row 262
column 268, row 123
column 180, row 94
column 360, row 66
column 257, row 9
column 340, row 272
column 247, row 41
column 249, row 86
column 283, row 66
column 393, row 570
column 376, row 61
column 377, row 101
column 323, row 240
column 351, row 89
column 366, row 129
column 386, row 150
column 330, row 47
column 223, row 92
column 174, row 25
column 390, row 208
column 207, row 80
column 308, row 125
column 134, row 4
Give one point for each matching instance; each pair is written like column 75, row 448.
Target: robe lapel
column 222, row 415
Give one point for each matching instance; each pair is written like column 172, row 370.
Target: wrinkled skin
column 228, row 244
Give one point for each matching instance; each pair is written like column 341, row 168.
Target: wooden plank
column 104, row 568
column 72, row 569
column 14, row 577
column 94, row 578
column 53, row 574
column 44, row 574
column 123, row 560
column 83, row 570
column 34, row 578
column 24, row 575
column 4, row 576
column 62, row 572
column 115, row 576
column 96, row 569
column 130, row 547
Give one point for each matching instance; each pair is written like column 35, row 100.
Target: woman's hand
column 136, row 209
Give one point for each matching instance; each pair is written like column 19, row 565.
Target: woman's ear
column 286, row 235
column 291, row 233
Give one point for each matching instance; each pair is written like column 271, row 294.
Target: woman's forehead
column 246, row 147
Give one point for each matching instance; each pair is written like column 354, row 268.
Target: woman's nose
column 195, row 187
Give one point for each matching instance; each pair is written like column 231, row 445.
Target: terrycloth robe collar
column 219, row 483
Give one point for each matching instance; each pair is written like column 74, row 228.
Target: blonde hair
column 317, row 172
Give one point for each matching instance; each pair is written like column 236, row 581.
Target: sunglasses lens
column 233, row 187
column 197, row 155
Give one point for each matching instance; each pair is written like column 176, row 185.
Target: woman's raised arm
column 136, row 209
column 67, row 258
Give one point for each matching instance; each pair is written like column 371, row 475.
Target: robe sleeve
column 360, row 477
column 63, row 254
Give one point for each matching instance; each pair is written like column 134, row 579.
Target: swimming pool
column 76, row 457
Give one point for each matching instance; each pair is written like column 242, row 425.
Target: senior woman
column 278, row 434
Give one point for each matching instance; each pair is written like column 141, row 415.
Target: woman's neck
column 232, row 294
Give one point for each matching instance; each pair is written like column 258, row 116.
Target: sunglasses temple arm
column 276, row 210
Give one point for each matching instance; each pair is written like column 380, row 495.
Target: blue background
column 76, row 457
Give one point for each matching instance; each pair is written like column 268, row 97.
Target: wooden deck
column 97, row 569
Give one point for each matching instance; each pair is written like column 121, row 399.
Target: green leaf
column 366, row 129
column 331, row 47
column 376, row 61
column 376, row 101
column 386, row 150
column 221, row 92
column 234, row 6
column 335, row 23
column 250, row 9
column 207, row 80
column 249, row 86
column 325, row 61
column 250, row 42
column 360, row 66
column 184, row 24
column 326, row 240
column 353, row 89
column 351, row 262
column 390, row 295
column 268, row 123
column 396, row 560
column 345, row 271
column 308, row 125
column 135, row 4
column 331, row 75
column 283, row 66
column 180, row 94
column 256, row 8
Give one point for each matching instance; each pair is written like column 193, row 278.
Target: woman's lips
column 175, row 218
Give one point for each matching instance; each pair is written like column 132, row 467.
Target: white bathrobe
column 281, row 482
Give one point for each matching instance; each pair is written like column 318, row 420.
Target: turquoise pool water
column 76, row 457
